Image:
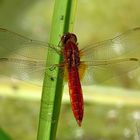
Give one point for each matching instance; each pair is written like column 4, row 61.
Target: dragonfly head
column 68, row 37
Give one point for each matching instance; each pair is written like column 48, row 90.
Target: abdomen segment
column 76, row 96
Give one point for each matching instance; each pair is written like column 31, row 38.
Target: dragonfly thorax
column 71, row 55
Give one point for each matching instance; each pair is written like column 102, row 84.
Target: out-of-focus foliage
column 4, row 136
column 31, row 18
column 99, row 20
column 101, row 121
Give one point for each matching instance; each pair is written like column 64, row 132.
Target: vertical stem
column 63, row 19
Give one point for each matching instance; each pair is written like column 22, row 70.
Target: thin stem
column 63, row 19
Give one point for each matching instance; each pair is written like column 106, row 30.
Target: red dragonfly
column 24, row 59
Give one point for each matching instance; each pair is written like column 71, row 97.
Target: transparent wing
column 101, row 70
column 126, row 44
column 26, row 70
column 112, row 58
column 23, row 58
column 30, row 71
column 18, row 45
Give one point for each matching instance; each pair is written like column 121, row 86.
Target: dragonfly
column 23, row 58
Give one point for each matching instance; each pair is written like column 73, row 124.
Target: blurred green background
column 106, row 118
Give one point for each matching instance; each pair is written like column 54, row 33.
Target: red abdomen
column 76, row 96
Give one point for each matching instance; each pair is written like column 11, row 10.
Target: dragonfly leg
column 53, row 67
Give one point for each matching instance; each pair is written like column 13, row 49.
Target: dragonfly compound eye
column 68, row 37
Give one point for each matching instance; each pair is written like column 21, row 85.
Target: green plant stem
column 63, row 19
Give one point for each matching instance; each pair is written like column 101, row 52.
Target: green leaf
column 4, row 136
